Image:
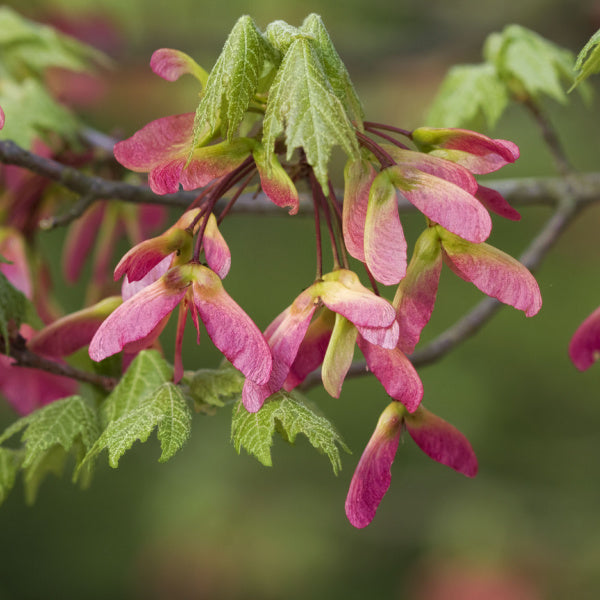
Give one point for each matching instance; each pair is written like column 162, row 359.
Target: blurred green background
column 213, row 525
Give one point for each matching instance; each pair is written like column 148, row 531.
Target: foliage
column 588, row 60
column 214, row 388
column 518, row 65
column 233, row 81
column 49, row 435
column 288, row 413
column 164, row 409
column 28, row 50
column 299, row 78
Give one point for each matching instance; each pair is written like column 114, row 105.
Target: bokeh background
column 214, row 525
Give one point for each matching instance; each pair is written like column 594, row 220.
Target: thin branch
column 25, row 358
column 73, row 213
column 550, row 136
column 521, row 192
column 74, row 180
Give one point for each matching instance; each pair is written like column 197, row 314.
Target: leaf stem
column 316, row 187
column 389, row 138
column 382, row 156
column 373, row 125
column 235, row 197
column 335, row 205
column 550, row 136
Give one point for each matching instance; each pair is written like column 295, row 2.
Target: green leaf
column 281, row 35
column 51, row 462
column 529, row 63
column 13, row 307
column 145, row 375
column 303, row 104
column 468, row 93
column 28, row 48
column 290, row 414
column 233, row 80
column 51, row 433
column 334, row 68
column 60, row 423
column 165, row 409
column 10, row 462
column 211, row 388
column 32, row 113
column 588, row 60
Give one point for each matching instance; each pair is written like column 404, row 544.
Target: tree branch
column 520, row 192
column 25, row 358
column 86, row 185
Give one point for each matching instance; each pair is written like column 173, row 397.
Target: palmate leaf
column 165, row 409
column 213, row 388
column 334, row 68
column 304, row 105
column 527, row 61
column 29, row 48
column 145, row 375
column 50, row 434
column 31, row 113
column 588, row 60
column 467, row 93
column 10, row 462
column 290, row 414
column 233, row 80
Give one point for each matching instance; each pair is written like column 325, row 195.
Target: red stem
column 382, row 156
column 373, row 125
column 315, row 187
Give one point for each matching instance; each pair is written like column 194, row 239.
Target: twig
column 73, row 213
column 74, row 180
column 550, row 137
column 25, row 358
column 521, row 192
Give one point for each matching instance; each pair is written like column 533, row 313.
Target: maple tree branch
column 25, row 358
column 520, row 192
column 87, row 185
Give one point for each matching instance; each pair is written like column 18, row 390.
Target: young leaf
column 31, row 112
column 233, row 80
column 13, row 307
column 588, row 60
column 335, row 69
column 215, row 387
column 10, row 462
column 50, row 462
column 527, row 61
column 51, row 433
column 468, row 93
column 281, row 35
column 303, row 104
column 30, row 48
column 290, row 414
column 165, row 408
column 147, row 372
column 59, row 423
